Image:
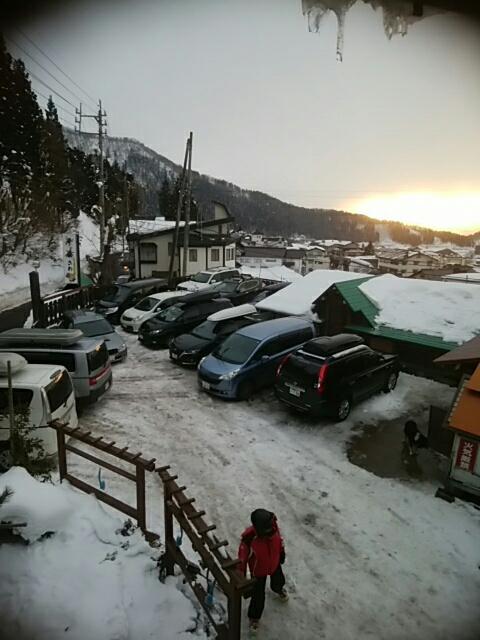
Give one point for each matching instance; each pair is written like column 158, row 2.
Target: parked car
column 188, row 348
column 93, row 325
column 238, row 290
column 120, row 297
column 248, row 359
column 85, row 359
column 45, row 391
column 326, row 376
column 269, row 290
column 205, row 278
column 180, row 317
column 132, row 318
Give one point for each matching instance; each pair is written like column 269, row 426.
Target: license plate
column 295, row 392
column 205, row 385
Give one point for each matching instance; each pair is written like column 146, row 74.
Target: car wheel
column 245, row 391
column 343, row 409
column 391, row 382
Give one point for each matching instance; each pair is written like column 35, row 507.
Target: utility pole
column 78, row 119
column 186, row 229
column 125, row 208
column 99, row 117
column 177, row 219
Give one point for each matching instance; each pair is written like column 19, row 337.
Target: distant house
column 294, row 259
column 405, row 263
column 316, row 258
column 210, row 245
column 269, row 256
column 417, row 319
column 363, row 264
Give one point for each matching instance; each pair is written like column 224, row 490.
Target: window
column 236, row 349
column 66, row 360
column 215, row 255
column 21, row 399
column 192, row 255
column 59, row 391
column 148, row 252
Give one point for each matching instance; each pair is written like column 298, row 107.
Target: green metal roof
column 404, row 336
column 357, row 300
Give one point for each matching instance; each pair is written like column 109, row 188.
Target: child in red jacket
column 261, row 548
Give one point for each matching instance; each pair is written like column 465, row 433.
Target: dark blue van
column 248, row 359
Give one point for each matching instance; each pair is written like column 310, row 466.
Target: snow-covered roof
column 297, row 299
column 444, row 309
column 158, row 224
column 234, row 312
column 463, row 277
column 278, row 273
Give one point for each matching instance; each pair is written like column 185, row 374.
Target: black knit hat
column 262, row 521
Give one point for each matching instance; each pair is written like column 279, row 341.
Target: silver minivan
column 85, row 359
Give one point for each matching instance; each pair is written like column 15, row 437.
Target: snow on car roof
column 164, row 295
column 234, row 312
column 298, row 297
column 445, row 309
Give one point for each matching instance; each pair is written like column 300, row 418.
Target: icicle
column 341, row 14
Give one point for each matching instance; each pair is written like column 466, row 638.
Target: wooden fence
column 177, row 508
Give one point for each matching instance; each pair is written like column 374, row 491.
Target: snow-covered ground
column 366, row 557
column 86, row 581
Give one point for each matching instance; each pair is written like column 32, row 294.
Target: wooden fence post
column 234, row 614
column 168, row 527
column 36, row 298
column 62, row 454
column 141, row 511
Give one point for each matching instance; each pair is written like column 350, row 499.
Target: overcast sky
column 272, row 109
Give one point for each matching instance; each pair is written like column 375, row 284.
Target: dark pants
column 257, row 603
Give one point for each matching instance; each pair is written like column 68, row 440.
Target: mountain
column 253, row 210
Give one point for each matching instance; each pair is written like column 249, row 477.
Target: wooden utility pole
column 177, row 219
column 186, row 229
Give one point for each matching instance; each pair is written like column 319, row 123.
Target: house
column 419, row 320
column 451, row 257
column 315, row 258
column 210, row 245
column 405, row 263
column 268, row 256
column 294, row 259
column 304, row 293
column 363, row 264
column 440, row 273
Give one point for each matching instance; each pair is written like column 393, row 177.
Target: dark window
column 236, row 349
column 66, row 360
column 95, row 328
column 148, row 252
column 21, row 399
column 192, row 255
column 59, row 391
column 215, row 255
column 195, row 312
column 98, row 358
column 147, row 304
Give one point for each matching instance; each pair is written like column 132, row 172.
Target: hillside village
column 224, row 416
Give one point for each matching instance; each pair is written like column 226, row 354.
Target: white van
column 46, row 390
column 132, row 318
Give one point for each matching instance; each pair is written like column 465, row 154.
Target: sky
column 392, row 131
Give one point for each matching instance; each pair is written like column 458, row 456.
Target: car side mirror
column 264, row 358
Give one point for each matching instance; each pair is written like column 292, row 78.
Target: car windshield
column 201, row 277
column 95, row 328
column 147, row 304
column 116, row 293
column 59, row 391
column 206, row 330
column 236, row 349
column 171, row 313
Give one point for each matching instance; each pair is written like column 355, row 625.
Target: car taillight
column 322, row 374
column 94, row 379
column 282, row 363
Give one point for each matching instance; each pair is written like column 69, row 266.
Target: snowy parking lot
column 366, row 557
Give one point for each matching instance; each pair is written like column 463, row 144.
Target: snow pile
column 87, row 580
column 15, row 285
column 297, row 299
column 89, row 233
column 278, row 273
column 443, row 309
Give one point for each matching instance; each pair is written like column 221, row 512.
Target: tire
column 391, row 382
column 342, row 410
column 245, row 391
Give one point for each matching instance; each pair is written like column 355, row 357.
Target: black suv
column 120, row 297
column 189, row 348
column 239, row 291
column 328, row 375
column 190, row 311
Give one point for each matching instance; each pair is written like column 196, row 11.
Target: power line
column 55, row 64
column 57, row 106
column 47, row 86
column 44, row 68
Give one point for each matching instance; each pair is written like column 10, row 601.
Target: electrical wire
column 55, row 64
column 47, row 86
column 57, row 106
column 64, row 86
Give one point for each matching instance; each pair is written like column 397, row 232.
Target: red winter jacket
column 262, row 555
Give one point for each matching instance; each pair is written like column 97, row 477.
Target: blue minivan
column 248, row 359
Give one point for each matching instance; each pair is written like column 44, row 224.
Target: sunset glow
column 456, row 211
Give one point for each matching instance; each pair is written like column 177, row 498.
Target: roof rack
column 48, row 337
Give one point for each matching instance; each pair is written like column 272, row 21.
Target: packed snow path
column 366, row 557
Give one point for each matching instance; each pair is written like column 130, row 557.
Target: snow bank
column 86, row 580
column 15, row 285
column 298, row 298
column 444, row 309
column 276, row 273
